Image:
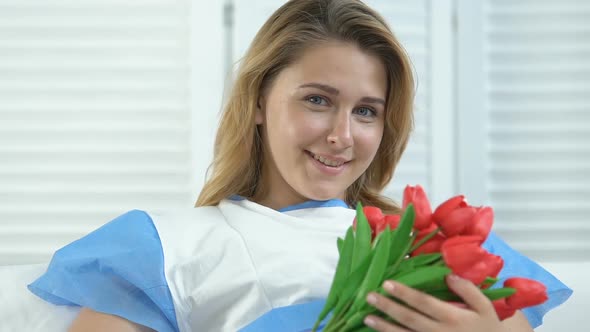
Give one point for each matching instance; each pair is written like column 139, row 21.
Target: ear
column 259, row 116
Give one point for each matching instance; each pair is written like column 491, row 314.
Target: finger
column 426, row 304
column 381, row 325
column 470, row 294
column 407, row 317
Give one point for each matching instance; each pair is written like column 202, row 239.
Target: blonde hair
column 297, row 25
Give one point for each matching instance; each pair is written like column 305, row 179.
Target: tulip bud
column 503, row 310
column 528, row 292
column 389, row 220
column 431, row 246
column 467, row 259
column 481, row 224
column 448, row 206
column 418, row 198
column 457, row 221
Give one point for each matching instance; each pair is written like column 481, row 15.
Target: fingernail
column 369, row 321
column 371, row 299
column 454, row 277
column 388, row 285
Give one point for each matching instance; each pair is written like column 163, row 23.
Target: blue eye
column 364, row 111
column 317, row 100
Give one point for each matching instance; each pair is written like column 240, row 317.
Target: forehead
column 341, row 65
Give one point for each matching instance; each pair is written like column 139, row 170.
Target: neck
column 276, row 199
column 272, row 191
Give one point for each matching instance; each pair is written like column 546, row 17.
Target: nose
column 340, row 137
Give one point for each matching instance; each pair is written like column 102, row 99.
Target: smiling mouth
column 326, row 161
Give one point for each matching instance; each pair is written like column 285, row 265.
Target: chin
column 317, row 194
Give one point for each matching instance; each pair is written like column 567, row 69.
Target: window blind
column 410, row 22
column 538, row 112
column 94, row 110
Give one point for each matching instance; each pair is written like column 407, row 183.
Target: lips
column 327, row 160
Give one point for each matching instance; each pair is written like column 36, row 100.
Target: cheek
column 279, row 121
column 368, row 141
column 301, row 127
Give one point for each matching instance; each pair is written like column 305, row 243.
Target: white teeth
column 327, row 162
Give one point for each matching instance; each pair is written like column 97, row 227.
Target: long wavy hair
column 294, row 27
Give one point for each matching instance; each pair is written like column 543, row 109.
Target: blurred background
column 107, row 106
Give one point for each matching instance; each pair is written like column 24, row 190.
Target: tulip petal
column 469, row 260
column 457, row 221
column 481, row 224
column 431, row 246
column 417, row 196
column 448, row 206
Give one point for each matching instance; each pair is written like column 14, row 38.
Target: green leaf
column 376, row 271
column 351, row 285
column 340, row 276
column 364, row 329
column 444, row 295
column 362, row 238
column 489, row 282
column 402, row 236
column 426, row 277
column 339, row 244
column 377, row 239
column 356, row 320
column 419, row 261
column 401, row 240
column 491, row 294
column 498, row 293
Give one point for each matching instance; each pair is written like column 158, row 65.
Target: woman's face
column 322, row 120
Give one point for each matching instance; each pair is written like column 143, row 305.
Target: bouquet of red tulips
column 419, row 249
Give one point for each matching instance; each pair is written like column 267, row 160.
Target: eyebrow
column 332, row 90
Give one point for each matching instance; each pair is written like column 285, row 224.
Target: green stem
column 424, row 239
column 337, row 320
column 335, row 327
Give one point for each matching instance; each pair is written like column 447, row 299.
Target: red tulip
column 503, row 310
column 448, row 206
column 431, row 246
column 461, row 240
column 425, row 231
column 466, row 258
column 488, row 266
column 389, row 220
column 418, row 198
column 393, row 220
column 374, row 217
column 528, row 292
column 457, row 221
column 481, row 223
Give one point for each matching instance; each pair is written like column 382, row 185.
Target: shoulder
column 201, row 215
column 131, row 229
column 186, row 223
column 117, row 269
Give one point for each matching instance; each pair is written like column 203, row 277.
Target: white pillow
column 21, row 310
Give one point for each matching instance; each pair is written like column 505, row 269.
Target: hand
column 429, row 314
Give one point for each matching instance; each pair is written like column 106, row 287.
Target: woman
column 319, row 116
